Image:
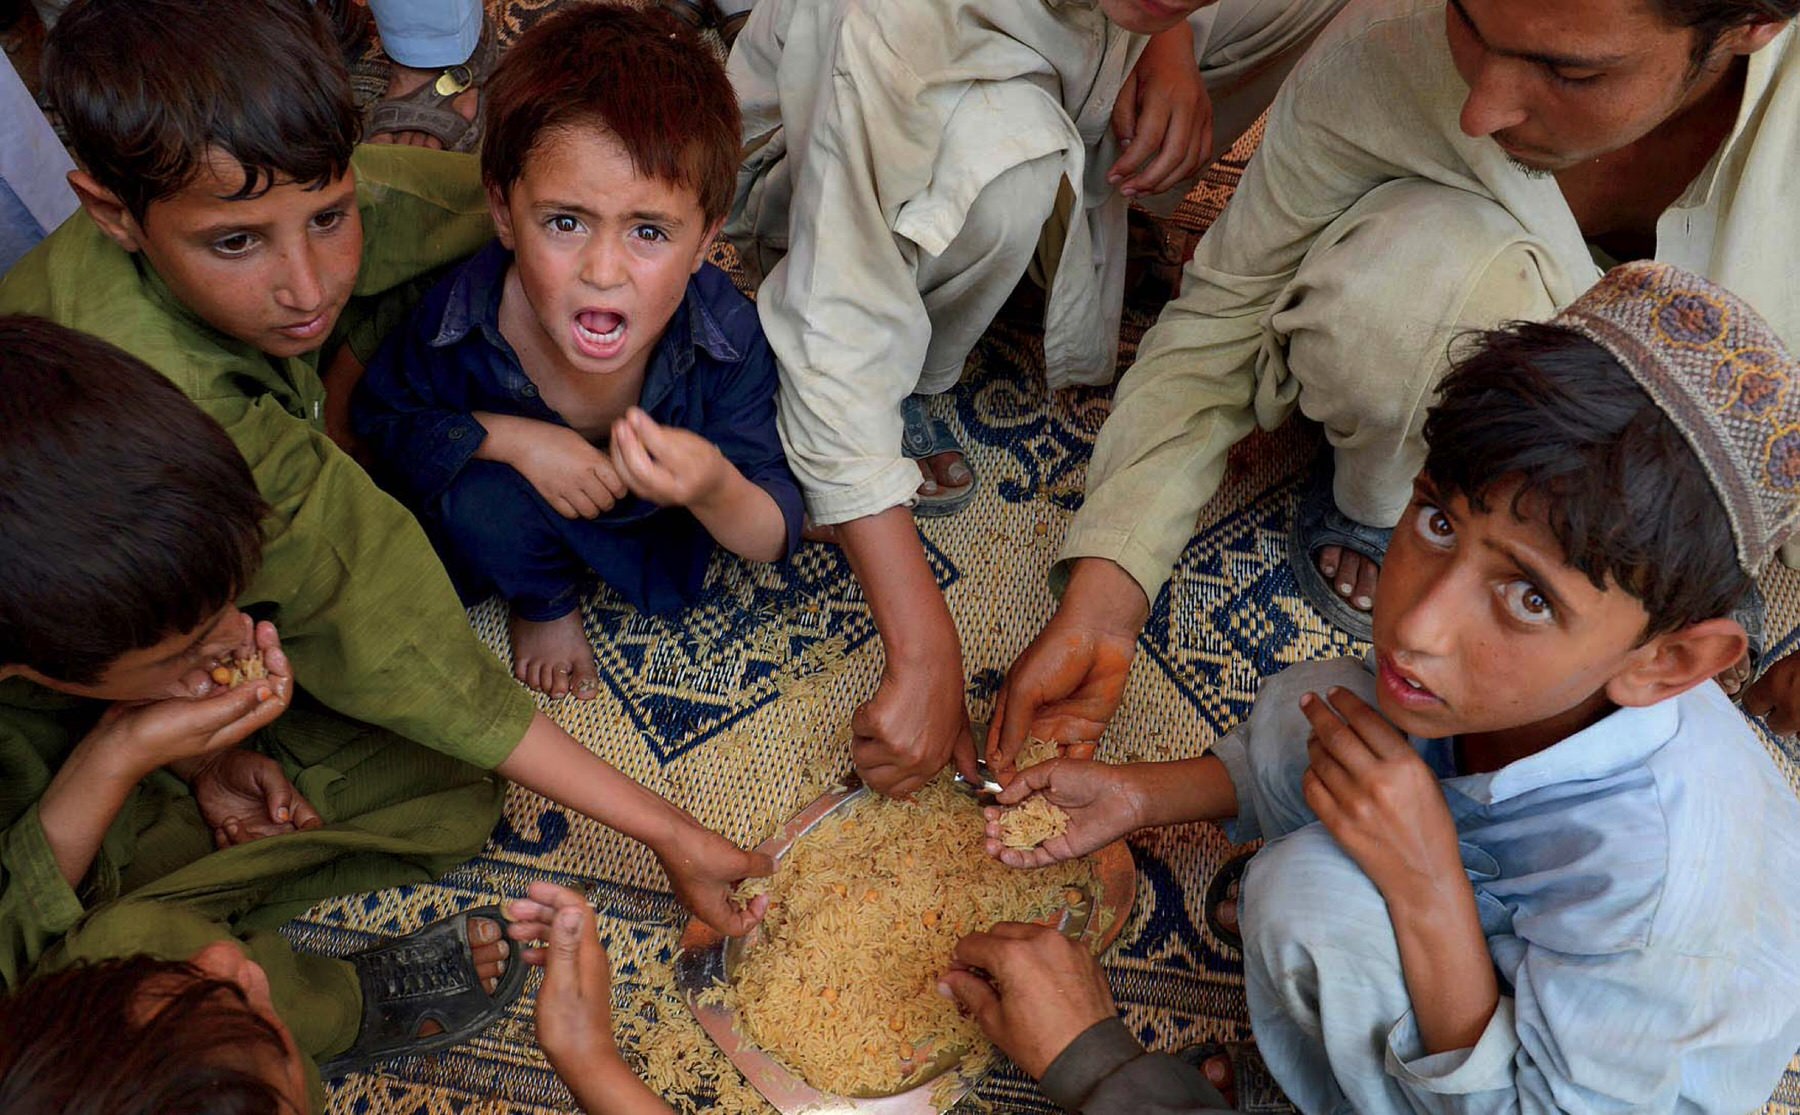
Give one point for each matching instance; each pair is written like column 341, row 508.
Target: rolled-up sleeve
column 37, row 905
column 421, row 440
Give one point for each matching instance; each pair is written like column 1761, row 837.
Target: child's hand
column 703, row 867
column 1380, row 801
column 574, row 1005
column 1163, row 117
column 177, row 731
column 576, row 479
column 245, row 796
column 667, row 465
column 1032, row 990
column 1098, row 799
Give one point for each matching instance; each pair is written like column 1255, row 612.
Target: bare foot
column 403, row 80
column 1351, row 575
column 487, row 948
column 944, row 473
column 554, row 657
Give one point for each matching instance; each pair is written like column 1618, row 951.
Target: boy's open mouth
column 1402, row 687
column 599, row 334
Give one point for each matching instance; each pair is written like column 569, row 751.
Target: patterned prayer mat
column 739, row 709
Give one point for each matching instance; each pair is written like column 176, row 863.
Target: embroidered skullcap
column 1713, row 365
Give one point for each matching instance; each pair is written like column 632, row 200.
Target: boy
column 905, row 165
column 231, row 233
column 586, row 395
column 133, row 820
column 1529, row 856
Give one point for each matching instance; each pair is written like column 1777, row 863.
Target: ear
column 1748, row 38
column 1674, row 662
column 107, row 211
column 706, row 243
column 502, row 214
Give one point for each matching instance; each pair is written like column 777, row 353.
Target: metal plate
column 707, row 959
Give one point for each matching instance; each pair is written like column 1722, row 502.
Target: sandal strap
column 921, row 435
column 425, row 976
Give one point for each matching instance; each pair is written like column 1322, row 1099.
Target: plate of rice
column 831, row 1004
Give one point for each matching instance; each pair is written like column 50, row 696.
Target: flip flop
column 427, row 108
column 1318, row 523
column 1752, row 615
column 923, row 436
column 1253, row 1086
column 1221, row 890
column 425, row 976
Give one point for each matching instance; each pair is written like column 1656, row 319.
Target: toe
column 1328, row 560
column 1366, row 579
column 1349, row 565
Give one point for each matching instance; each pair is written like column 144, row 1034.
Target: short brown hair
column 639, row 74
column 147, row 90
column 81, row 1042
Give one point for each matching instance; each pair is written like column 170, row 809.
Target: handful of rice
column 864, row 915
column 1028, row 825
column 236, row 670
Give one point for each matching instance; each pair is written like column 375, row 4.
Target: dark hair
column 640, row 75
column 1623, row 492
column 126, row 516
column 136, row 1036
column 1709, row 19
column 148, row 90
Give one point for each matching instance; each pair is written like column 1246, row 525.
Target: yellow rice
column 864, row 915
column 1030, row 824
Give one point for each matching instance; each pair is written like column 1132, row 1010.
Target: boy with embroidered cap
column 1528, row 855
column 586, row 397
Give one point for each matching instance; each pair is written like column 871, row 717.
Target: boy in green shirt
column 232, row 233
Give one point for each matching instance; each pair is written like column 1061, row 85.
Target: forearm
column 889, row 562
column 79, row 805
column 1101, row 594
column 1445, row 959
column 744, row 518
column 549, row 762
column 1178, row 792
column 508, row 435
column 605, row 1085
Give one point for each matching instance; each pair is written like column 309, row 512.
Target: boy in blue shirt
column 587, row 396
column 1528, row 857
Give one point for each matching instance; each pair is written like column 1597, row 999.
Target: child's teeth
column 1412, row 683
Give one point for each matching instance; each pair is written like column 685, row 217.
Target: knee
column 488, row 508
column 1301, row 897
column 1009, row 212
column 1386, row 290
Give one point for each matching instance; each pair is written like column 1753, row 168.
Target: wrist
column 1102, row 596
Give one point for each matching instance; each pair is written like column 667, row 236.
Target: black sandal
column 705, row 15
column 425, row 976
column 1317, row 524
column 1224, row 888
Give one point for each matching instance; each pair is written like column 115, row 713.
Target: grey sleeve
column 1106, row 1072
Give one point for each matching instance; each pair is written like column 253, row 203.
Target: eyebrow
column 344, row 200
column 1554, row 61
column 653, row 215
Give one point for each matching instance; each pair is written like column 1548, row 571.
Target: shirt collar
column 1757, row 78
column 1617, row 742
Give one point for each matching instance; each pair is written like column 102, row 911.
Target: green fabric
column 395, row 813
column 366, row 613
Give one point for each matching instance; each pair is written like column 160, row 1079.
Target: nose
column 1494, row 103
column 235, row 632
column 300, row 287
column 1424, row 626
column 603, row 264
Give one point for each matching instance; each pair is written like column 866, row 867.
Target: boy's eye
column 1433, row 525
column 328, row 220
column 1572, row 77
column 1526, row 604
column 649, row 233
column 562, row 222
column 236, row 244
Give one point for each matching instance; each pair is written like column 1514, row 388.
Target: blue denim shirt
column 711, row 372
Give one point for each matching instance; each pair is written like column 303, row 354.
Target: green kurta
column 366, row 613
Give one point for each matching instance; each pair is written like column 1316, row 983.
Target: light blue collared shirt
column 1637, row 885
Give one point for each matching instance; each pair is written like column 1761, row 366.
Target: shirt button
column 529, row 391
column 457, row 432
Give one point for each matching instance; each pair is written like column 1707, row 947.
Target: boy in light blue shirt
column 1527, row 856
